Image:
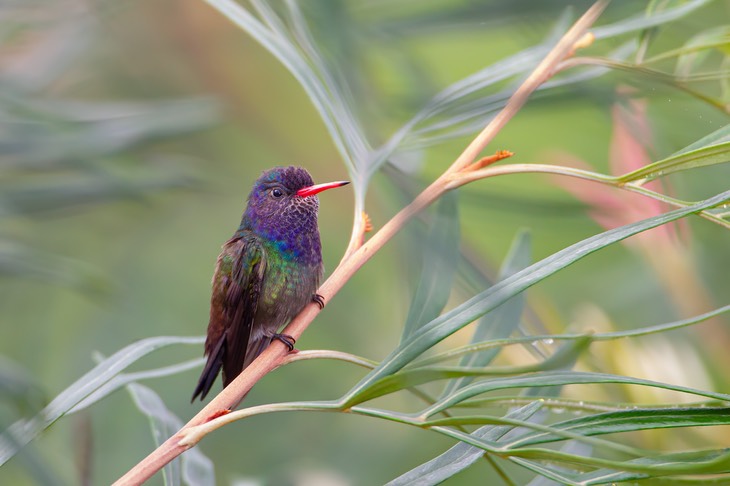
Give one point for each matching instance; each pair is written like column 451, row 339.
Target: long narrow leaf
column 413, row 377
column 573, row 447
column 124, row 379
column 503, row 320
column 643, row 21
column 462, row 455
column 632, row 420
column 701, row 157
column 343, row 127
column 717, row 137
column 24, row 430
column 699, row 462
column 447, row 324
column 440, row 254
column 193, row 467
column 557, row 378
column 605, row 336
column 698, row 48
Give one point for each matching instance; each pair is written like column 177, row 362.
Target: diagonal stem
column 272, row 357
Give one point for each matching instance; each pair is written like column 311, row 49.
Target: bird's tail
column 256, row 346
column 210, row 372
column 216, row 361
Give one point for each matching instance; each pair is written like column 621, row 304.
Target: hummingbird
column 265, row 274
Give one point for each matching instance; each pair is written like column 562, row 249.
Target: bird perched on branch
column 265, row 274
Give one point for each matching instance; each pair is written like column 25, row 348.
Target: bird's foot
column 319, row 300
column 286, row 339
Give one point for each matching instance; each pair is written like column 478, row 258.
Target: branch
column 613, row 181
column 274, row 355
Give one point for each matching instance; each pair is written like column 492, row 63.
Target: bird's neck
column 295, row 237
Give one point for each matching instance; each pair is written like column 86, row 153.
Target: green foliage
column 450, row 322
column 440, row 254
column 85, row 391
column 60, row 154
column 462, row 455
column 64, row 154
column 711, row 150
column 502, row 321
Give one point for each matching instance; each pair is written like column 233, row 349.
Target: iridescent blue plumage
column 266, row 273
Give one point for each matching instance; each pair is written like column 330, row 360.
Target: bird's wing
column 237, row 284
column 242, row 299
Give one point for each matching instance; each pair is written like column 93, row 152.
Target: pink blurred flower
column 612, row 207
column 628, row 151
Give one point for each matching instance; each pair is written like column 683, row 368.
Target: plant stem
column 272, row 357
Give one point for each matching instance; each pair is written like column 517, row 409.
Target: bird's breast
column 288, row 286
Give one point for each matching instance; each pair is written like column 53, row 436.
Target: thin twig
column 547, row 68
column 272, row 357
column 613, row 181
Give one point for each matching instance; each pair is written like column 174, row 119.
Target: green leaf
column 162, row 422
column 688, row 54
column 408, row 378
column 295, row 50
column 706, row 155
column 646, row 21
column 124, row 379
column 607, row 336
column 24, row 431
column 556, row 378
column 74, row 191
column 194, row 467
column 700, row 462
column 503, row 320
column 719, row 136
column 551, row 473
column 632, row 420
column 440, row 255
column 462, row 455
column 572, row 447
column 56, row 132
column 699, row 46
column 697, row 462
column 452, row 321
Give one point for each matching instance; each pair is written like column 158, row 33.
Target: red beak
column 317, row 188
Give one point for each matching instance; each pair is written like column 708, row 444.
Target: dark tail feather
column 255, row 347
column 211, row 370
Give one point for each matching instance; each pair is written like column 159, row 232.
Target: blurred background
column 131, row 133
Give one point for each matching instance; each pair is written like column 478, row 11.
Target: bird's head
column 284, row 199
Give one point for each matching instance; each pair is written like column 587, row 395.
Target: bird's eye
column 276, row 192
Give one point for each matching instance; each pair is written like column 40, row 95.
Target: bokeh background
column 132, row 132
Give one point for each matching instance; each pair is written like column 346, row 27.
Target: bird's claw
column 286, row 339
column 319, row 300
